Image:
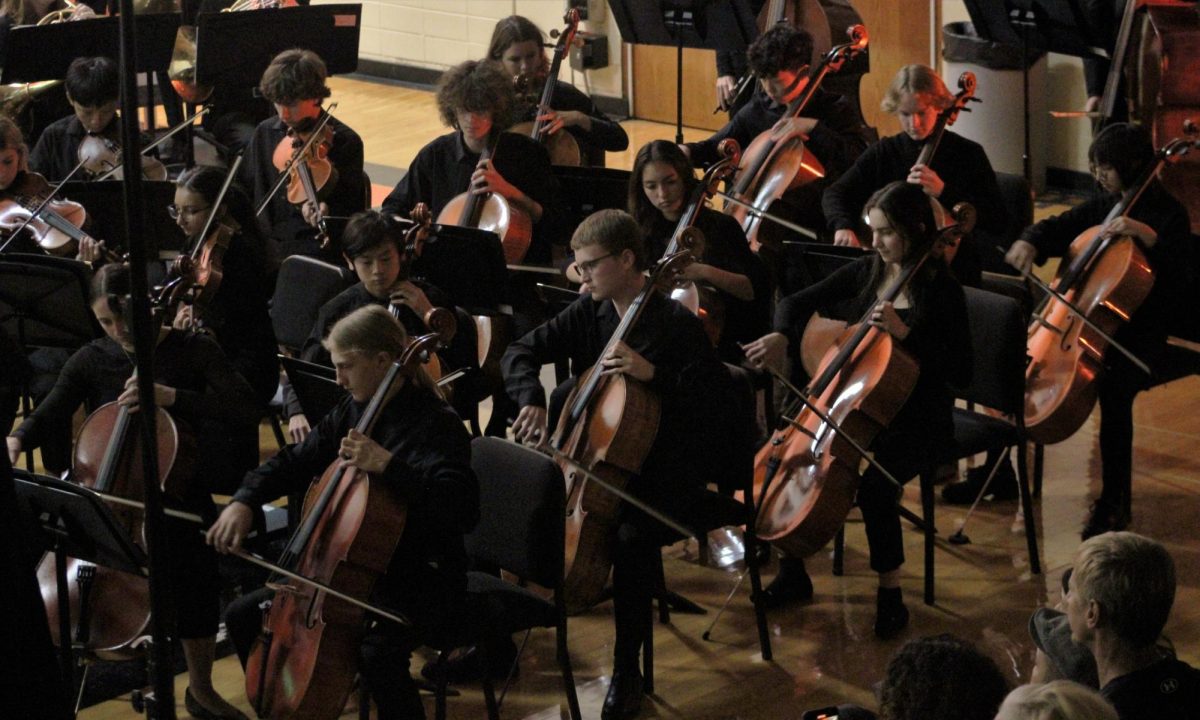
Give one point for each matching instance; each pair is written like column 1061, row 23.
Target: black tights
column 1116, row 392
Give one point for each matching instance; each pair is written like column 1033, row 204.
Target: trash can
column 998, row 123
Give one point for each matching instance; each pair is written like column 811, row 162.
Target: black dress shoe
column 791, row 585
column 891, row 615
column 199, row 712
column 1003, row 487
column 1105, row 517
column 624, row 698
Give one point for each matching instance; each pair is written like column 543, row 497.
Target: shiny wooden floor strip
column 825, row 652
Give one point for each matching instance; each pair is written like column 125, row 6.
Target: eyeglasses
column 587, row 267
column 175, row 211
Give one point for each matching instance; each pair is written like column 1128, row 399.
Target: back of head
column 294, row 75
column 1056, row 700
column 11, row 137
column 510, row 31
column 111, row 283
column 1132, row 579
column 663, row 151
column 941, row 678
column 368, row 230
column 916, row 80
column 476, row 86
column 92, row 81
column 1126, row 147
column 369, row 330
column 783, row 47
column 614, row 231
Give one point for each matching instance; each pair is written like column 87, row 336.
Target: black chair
column 522, row 498
column 719, row 508
column 998, row 382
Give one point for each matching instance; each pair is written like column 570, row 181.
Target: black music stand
column 44, row 53
column 73, row 521
column 588, row 189
column 728, row 25
column 233, row 49
column 44, row 303
column 315, row 385
column 468, row 265
column 107, row 211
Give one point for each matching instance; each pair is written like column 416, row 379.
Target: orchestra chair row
column 998, row 330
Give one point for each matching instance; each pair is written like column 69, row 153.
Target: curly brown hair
column 941, row 678
column 294, row 75
column 783, row 47
column 476, row 86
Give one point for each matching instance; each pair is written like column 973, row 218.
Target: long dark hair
column 206, row 181
column 910, row 212
column 665, row 151
column 510, row 31
column 111, row 283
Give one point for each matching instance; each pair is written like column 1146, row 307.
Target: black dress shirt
column 605, row 135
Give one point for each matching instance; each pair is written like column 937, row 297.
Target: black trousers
column 878, row 498
column 1116, row 391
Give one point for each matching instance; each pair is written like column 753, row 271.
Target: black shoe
column 1003, row 487
column 624, row 698
column 791, row 585
column 1106, row 516
column 891, row 616
column 199, row 712
column 464, row 664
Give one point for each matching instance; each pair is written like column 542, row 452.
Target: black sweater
column 939, row 339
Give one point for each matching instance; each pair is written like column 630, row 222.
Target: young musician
column 959, row 171
column 418, row 450
column 669, row 352
column 237, row 315
column 371, row 247
column 836, row 134
column 476, row 99
column 93, row 89
column 294, row 83
column 659, row 190
column 929, row 320
column 196, row 384
column 517, row 45
column 1119, row 156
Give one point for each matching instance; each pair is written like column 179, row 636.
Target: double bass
column 562, row 146
column 807, row 475
column 305, row 662
column 1100, row 283
column 778, row 159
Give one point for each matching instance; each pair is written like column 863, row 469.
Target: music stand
column 45, row 52
column 685, row 23
column 468, row 265
column 315, row 385
column 588, row 189
column 73, row 521
column 817, row 261
column 233, row 49
column 103, row 201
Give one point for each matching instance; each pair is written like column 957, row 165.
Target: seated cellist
column 930, row 321
column 420, row 449
column 1159, row 223
column 668, row 351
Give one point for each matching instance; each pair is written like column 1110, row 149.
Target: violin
column 606, row 430
column 562, row 146
column 305, row 662
column 1102, row 280
column 101, row 160
column 110, row 610
column 56, row 224
column 778, row 159
column 806, row 476
column 302, row 158
column 490, row 211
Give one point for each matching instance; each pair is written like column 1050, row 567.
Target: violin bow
column 166, row 136
column 267, row 564
column 285, row 173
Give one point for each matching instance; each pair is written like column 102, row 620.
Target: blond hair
column 1132, row 578
column 1057, row 700
column 916, row 80
column 371, row 330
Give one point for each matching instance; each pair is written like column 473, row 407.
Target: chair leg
column 489, row 692
column 648, row 660
column 274, row 420
column 1035, row 562
column 760, row 613
column 927, row 479
column 364, row 701
column 439, row 711
column 839, row 552
column 660, row 592
column 564, row 665
column 1039, row 464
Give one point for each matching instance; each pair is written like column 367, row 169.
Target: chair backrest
column 997, row 352
column 303, row 286
column 522, row 499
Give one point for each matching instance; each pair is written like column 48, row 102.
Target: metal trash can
column 998, row 123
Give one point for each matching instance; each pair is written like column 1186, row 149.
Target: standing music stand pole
column 145, row 335
column 74, row 522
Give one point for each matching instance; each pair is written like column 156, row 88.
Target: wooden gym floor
column 825, row 652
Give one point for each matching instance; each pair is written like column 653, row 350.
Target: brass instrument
column 182, row 70
column 14, row 98
column 66, row 13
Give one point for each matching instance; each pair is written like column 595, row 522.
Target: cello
column 491, row 211
column 778, row 159
column 305, row 662
column 562, row 146
column 1100, row 283
column 807, row 475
